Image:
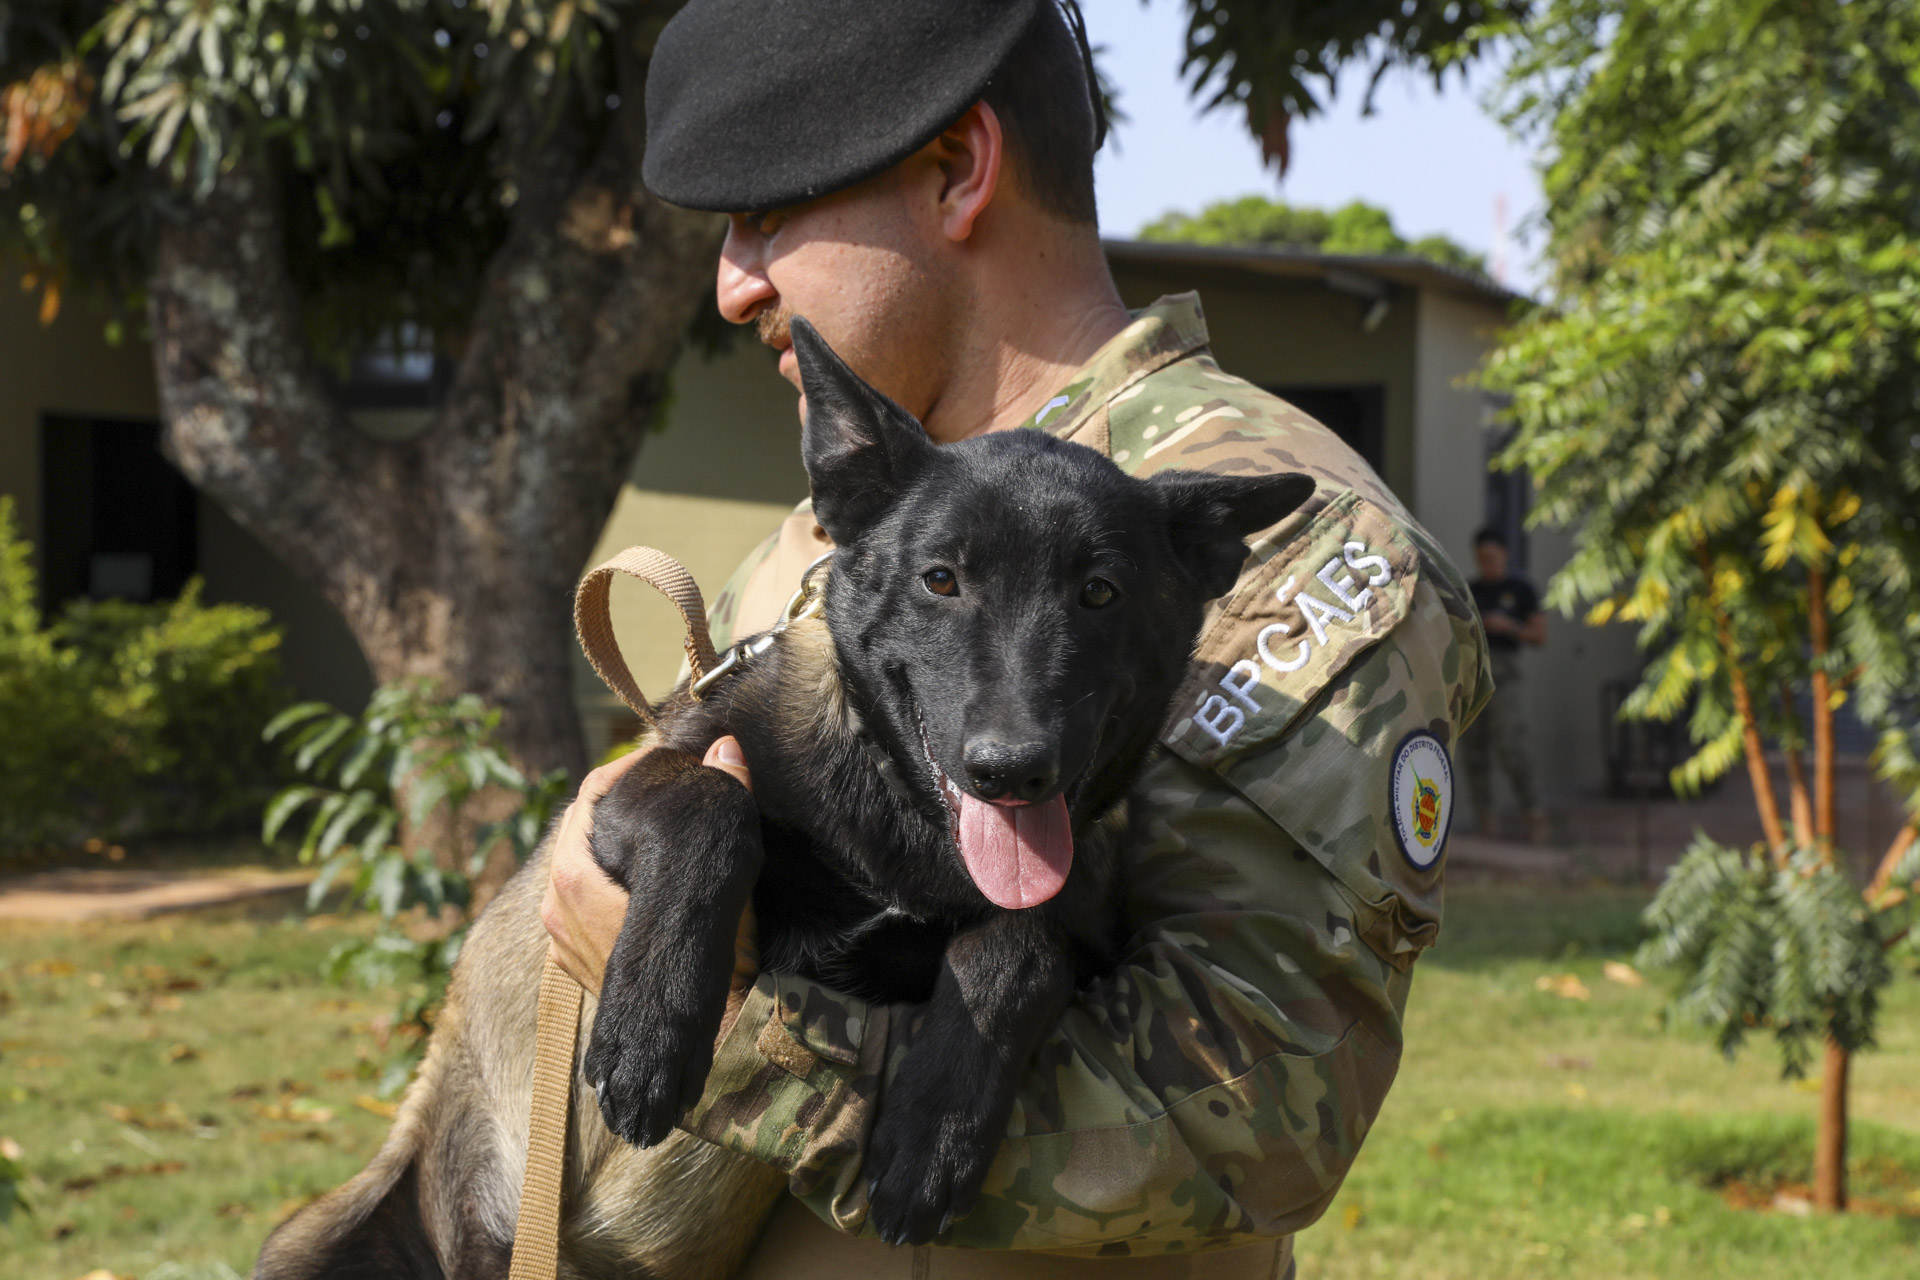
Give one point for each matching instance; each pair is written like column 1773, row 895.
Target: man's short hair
column 1490, row 535
column 1045, row 100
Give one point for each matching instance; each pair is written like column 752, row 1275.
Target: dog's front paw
column 646, row 1063
column 924, row 1169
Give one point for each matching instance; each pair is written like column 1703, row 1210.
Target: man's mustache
column 775, row 327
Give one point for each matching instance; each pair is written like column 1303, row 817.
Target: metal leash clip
column 806, row 602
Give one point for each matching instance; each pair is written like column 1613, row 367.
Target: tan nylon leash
column 536, row 1235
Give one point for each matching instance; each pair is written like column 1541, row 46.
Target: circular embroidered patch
column 1422, row 797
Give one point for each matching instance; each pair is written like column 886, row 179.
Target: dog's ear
column 861, row 449
column 1210, row 518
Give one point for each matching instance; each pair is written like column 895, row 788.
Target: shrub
column 128, row 718
column 385, row 796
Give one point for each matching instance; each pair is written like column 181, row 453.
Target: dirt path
column 76, row 894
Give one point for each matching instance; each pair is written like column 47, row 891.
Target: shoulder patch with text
column 1292, row 624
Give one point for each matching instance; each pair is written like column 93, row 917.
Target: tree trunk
column 1830, row 1142
column 1823, row 816
column 452, row 555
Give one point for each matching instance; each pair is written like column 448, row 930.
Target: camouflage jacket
column 1217, row 1086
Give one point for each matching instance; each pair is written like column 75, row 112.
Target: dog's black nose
column 1011, row 771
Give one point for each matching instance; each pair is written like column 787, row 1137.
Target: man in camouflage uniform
column 1199, row 1105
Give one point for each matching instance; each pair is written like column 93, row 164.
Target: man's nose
column 1001, row 770
column 742, row 288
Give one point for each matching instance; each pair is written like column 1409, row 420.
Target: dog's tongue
column 1018, row 855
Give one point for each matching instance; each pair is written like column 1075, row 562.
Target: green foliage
column 384, row 120
column 1794, row 950
column 1724, row 402
column 380, row 788
column 11, row 1176
column 1356, row 228
column 128, row 718
column 1281, row 59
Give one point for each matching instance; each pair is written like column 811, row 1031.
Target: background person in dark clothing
column 1510, row 610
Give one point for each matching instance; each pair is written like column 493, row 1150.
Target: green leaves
column 1357, row 228
column 1791, row 950
column 390, row 800
column 1726, row 397
column 1281, row 59
column 128, row 717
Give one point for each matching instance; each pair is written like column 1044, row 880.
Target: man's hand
column 1499, row 624
column 584, row 909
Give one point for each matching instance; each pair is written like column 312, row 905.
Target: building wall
column 1563, row 681
column 67, row 367
column 1299, row 333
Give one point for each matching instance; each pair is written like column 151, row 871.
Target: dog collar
column 809, row 600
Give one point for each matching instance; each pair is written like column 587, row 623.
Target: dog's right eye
column 941, row 582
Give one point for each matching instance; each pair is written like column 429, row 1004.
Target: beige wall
column 1449, row 462
column 719, row 478
column 66, row 367
column 1563, row 680
column 1300, row 333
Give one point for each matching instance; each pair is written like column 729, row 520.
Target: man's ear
column 1210, row 518
column 861, row 449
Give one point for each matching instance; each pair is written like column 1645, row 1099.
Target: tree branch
column 1822, row 711
column 249, row 418
column 1883, row 874
column 1799, row 799
column 1755, row 748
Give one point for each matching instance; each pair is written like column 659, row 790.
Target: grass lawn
column 178, row 1086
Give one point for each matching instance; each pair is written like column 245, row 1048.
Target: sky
column 1435, row 160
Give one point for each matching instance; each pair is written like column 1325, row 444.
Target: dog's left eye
column 1098, row 594
column 941, row 582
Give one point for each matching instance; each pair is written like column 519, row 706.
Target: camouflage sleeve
column 723, row 615
column 1217, row 1086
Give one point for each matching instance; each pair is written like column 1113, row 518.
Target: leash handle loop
column 593, row 621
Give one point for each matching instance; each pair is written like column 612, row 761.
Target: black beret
column 756, row 104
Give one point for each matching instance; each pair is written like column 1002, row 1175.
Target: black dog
column 1011, row 616
column 939, row 780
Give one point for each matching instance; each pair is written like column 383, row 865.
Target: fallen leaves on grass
column 1795, row 1200
column 179, row 1053
column 51, row 969
column 367, row 1102
column 1624, row 974
column 295, row 1135
column 166, row 1117
column 1566, row 1062
column 1565, row 985
column 293, row 1111
column 88, row 1181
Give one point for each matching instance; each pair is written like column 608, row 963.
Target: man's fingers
column 726, row 756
